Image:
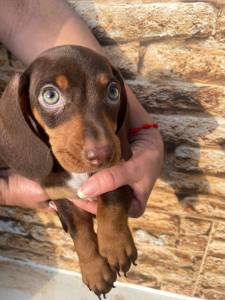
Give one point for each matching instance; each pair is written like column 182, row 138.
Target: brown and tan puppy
column 62, row 120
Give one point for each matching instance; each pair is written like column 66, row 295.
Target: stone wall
column 172, row 54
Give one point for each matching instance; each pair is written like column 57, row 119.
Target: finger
column 89, row 206
column 20, row 191
column 136, row 209
column 106, row 180
column 43, row 205
column 141, row 195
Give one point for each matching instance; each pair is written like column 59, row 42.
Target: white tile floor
column 26, row 281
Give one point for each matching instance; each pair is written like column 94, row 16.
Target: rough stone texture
column 191, row 159
column 137, row 21
column 125, row 57
column 173, row 55
column 191, row 204
column 184, row 61
column 179, row 96
column 220, row 25
column 183, row 184
column 193, row 130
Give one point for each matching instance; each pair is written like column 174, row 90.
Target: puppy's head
column 79, row 101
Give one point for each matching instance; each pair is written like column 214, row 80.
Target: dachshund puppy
column 62, row 120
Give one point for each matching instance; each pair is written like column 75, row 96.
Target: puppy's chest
column 75, row 180
column 64, row 185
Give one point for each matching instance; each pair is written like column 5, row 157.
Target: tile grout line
column 203, row 260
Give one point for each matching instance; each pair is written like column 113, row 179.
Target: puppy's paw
column 118, row 248
column 97, row 275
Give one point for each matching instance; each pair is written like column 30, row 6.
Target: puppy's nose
column 98, row 154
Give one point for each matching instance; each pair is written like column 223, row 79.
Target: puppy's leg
column 96, row 273
column 114, row 237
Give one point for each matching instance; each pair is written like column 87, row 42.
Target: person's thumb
column 105, row 181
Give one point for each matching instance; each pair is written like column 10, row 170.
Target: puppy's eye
column 50, row 96
column 51, row 99
column 113, row 92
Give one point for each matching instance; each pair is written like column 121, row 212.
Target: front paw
column 97, row 275
column 117, row 247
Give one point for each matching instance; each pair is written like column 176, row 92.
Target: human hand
column 140, row 173
column 20, row 191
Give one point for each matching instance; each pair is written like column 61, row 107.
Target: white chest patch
column 76, row 180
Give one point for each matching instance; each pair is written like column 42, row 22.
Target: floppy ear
column 123, row 119
column 20, row 147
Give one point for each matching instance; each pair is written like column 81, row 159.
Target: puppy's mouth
column 72, row 163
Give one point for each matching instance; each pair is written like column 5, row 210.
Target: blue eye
column 50, row 96
column 113, row 92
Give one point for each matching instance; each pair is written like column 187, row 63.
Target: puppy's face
column 75, row 96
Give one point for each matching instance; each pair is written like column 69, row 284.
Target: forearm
column 28, row 27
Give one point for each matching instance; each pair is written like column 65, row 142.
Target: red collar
column 134, row 131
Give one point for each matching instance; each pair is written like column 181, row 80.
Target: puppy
column 62, row 120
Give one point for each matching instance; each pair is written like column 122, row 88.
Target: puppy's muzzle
column 98, row 155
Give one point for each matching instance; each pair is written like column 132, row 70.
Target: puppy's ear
column 123, row 118
column 20, row 147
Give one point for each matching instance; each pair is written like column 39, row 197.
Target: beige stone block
column 193, row 234
column 24, row 255
column 168, row 255
column 124, row 22
column 212, row 281
column 125, row 57
column 210, row 294
column 191, row 226
column 205, row 206
column 168, row 263
column 185, row 234
column 30, row 217
column 193, row 130
column 46, row 251
column 157, row 223
column 185, row 184
column 216, row 248
column 161, row 239
column 220, row 24
column 219, row 231
column 184, row 61
column 211, row 161
column 54, row 235
column 50, row 259
column 214, row 265
column 165, row 201
column 178, row 96
column 192, row 203
column 193, row 243
column 12, row 241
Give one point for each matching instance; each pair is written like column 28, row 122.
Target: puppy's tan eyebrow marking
column 103, row 78
column 62, row 82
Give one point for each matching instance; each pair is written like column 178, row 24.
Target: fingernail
column 52, row 205
column 88, row 189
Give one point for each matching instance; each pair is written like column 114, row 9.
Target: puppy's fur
column 61, row 144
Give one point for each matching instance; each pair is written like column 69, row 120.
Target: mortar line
column 203, row 260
